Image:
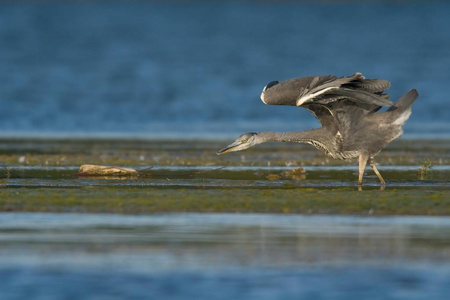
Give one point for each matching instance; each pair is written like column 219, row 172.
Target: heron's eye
column 271, row 84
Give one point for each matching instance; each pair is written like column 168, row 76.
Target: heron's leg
column 374, row 167
column 363, row 158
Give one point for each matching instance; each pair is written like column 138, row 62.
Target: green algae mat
column 186, row 176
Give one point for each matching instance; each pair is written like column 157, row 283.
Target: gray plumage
column 347, row 108
column 326, row 89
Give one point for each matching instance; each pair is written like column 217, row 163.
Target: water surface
column 158, row 69
column 204, row 256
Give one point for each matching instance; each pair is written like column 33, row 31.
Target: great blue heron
column 347, row 108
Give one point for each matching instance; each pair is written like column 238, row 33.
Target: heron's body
column 347, row 108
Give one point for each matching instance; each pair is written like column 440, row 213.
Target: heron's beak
column 229, row 148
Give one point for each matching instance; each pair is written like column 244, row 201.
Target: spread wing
column 329, row 97
column 327, row 89
column 339, row 117
column 354, row 88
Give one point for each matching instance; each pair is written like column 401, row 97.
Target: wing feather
column 287, row 92
column 370, row 85
column 355, row 88
column 335, row 83
column 324, row 90
column 361, row 96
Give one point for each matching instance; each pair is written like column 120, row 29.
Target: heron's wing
column 341, row 115
column 355, row 88
column 347, row 114
column 370, row 85
column 358, row 96
column 317, row 86
column 325, row 116
column 288, row 91
column 328, row 88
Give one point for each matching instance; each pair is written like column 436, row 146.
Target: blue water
column 222, row 256
column 158, row 69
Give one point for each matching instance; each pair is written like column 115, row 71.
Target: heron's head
column 243, row 142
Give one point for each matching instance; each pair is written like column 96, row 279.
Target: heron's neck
column 308, row 136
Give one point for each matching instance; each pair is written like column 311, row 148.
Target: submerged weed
column 8, row 173
column 425, row 170
column 295, row 174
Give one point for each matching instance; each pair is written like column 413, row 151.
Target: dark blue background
column 156, row 68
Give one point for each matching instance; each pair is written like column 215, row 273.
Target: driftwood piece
column 96, row 170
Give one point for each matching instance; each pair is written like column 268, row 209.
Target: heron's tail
column 402, row 109
column 405, row 102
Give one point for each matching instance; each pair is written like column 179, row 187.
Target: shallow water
column 319, row 237
column 204, row 256
column 225, row 176
column 187, row 176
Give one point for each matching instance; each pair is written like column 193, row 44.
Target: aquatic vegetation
column 425, row 170
column 272, row 176
column 148, row 199
column 295, row 174
column 143, row 153
column 188, row 177
column 8, row 173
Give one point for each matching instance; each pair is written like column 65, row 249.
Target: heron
column 348, row 109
